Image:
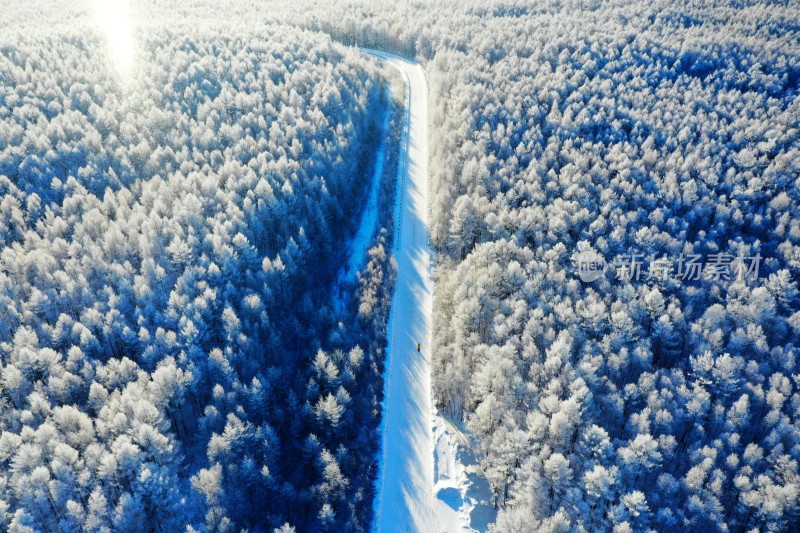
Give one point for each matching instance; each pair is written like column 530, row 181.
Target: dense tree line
column 615, row 127
column 169, row 357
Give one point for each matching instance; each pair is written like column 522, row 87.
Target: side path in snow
column 357, row 247
column 422, row 485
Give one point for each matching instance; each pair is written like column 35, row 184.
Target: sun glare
column 113, row 17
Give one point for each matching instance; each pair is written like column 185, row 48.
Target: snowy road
column 406, row 501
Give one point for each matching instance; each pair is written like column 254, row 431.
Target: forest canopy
column 166, row 356
column 169, row 358
column 613, row 128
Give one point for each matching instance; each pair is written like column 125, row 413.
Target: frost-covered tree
column 159, row 312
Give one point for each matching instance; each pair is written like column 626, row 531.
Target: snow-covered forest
column 620, row 127
column 169, row 354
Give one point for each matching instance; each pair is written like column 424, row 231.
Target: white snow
column 422, row 485
column 457, row 482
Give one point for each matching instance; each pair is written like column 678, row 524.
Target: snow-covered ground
column 423, row 484
column 457, row 482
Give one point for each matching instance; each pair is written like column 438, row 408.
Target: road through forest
column 406, row 501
